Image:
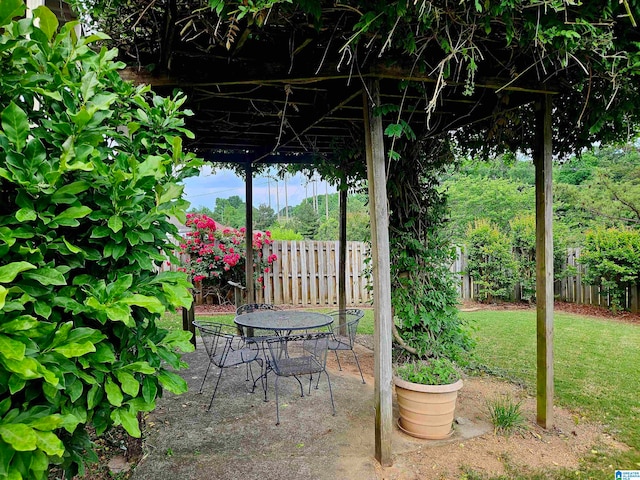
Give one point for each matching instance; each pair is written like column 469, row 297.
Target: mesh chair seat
column 295, row 355
column 235, row 357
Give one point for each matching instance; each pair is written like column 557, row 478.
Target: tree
column 230, row 211
column 307, row 220
column 264, row 217
column 84, row 229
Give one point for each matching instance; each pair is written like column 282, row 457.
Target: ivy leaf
column 114, row 394
column 71, row 350
column 9, row 272
column 48, row 21
column 25, row 215
column 115, row 223
column 128, row 383
column 128, row 420
column 172, row 382
column 150, row 303
column 49, row 443
column 94, row 396
column 10, row 9
column 15, row 125
column 46, row 276
column 3, row 296
column 20, row 436
column 149, row 389
column 10, row 348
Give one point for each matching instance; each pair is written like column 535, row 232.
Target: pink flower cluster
column 217, row 253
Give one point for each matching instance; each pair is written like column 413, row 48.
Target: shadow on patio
column 238, row 438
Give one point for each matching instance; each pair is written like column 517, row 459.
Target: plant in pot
column 427, row 393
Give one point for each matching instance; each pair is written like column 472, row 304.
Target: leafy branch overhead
column 587, row 54
column 83, row 227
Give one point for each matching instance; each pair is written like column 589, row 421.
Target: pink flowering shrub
column 217, row 254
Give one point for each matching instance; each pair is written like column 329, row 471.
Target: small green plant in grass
column 506, row 415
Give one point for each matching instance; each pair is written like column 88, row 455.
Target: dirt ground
column 571, row 439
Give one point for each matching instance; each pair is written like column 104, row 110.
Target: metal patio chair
column 226, row 349
column 345, row 342
column 297, row 355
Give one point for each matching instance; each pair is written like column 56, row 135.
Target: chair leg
column 205, row 377
column 215, row 389
column 358, row 363
column 277, row 403
column 338, row 360
column 330, row 393
column 301, row 387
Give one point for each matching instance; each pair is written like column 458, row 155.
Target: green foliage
column 506, row 415
column 523, row 238
column 307, row 220
column 281, row 233
column 491, row 263
column 436, row 371
column 612, row 258
column 497, row 200
column 230, row 211
column 264, row 217
column 424, row 297
column 90, row 170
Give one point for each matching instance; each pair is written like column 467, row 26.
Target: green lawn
column 597, row 367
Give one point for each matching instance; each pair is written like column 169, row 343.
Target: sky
column 202, row 191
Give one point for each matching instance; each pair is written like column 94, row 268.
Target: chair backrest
column 252, row 307
column 352, row 316
column 299, row 354
column 218, row 340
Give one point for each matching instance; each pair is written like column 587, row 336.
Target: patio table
column 281, row 322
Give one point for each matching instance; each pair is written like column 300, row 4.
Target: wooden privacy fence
column 569, row 288
column 306, row 273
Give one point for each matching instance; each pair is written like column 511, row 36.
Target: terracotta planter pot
column 426, row 411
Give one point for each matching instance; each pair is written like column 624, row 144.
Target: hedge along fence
column 569, row 288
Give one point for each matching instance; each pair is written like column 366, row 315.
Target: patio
column 238, row 438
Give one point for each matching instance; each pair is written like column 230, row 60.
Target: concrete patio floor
column 238, row 438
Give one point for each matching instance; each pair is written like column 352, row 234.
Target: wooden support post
column 376, row 173
column 188, row 316
column 342, row 268
column 544, row 263
column 251, row 296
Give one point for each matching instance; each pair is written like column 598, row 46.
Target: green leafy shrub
column 491, row 262
column 612, row 258
column 436, row 371
column 89, row 172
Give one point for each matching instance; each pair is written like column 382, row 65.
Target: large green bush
column 612, row 258
column 491, row 262
column 89, row 172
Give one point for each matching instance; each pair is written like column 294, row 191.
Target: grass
column 506, row 415
column 596, row 369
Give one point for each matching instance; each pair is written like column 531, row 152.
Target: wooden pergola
column 287, row 92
